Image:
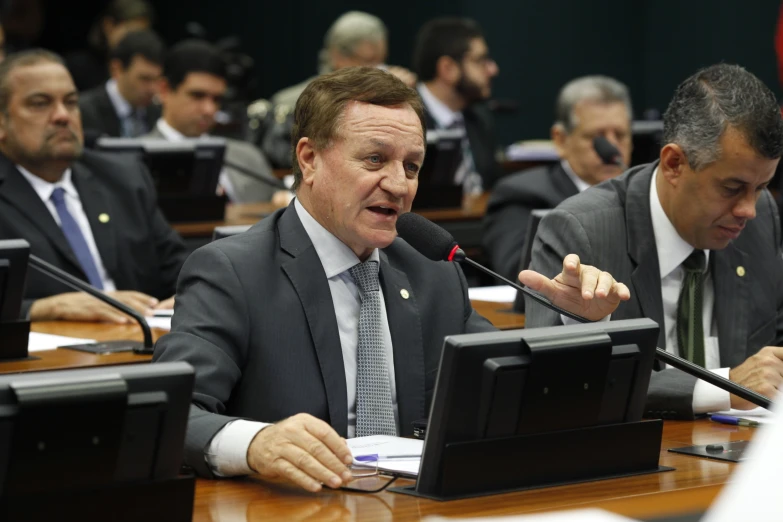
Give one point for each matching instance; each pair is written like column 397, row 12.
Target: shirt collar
column 121, row 105
column 672, row 248
column 336, row 257
column 581, row 185
column 44, row 189
column 170, row 133
column 440, row 112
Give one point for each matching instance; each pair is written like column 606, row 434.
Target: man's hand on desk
column 78, row 306
column 166, row 304
column 302, row 449
column 580, row 289
column 762, row 373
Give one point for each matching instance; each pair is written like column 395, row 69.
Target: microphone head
column 432, row 241
column 606, row 151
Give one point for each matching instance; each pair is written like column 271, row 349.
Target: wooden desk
column 499, row 314
column 691, row 487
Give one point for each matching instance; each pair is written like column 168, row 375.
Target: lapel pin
column 103, row 218
column 741, row 271
column 404, row 293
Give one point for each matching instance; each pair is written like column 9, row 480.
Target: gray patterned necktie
column 374, row 411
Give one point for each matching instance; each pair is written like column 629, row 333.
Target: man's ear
column 3, row 126
column 164, row 89
column 307, row 157
column 673, row 164
column 559, row 136
column 448, row 69
column 115, row 68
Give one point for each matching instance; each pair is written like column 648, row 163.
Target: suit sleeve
column 779, row 268
column 504, row 236
column 170, row 247
column 209, row 331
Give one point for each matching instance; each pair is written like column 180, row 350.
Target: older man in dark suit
column 586, row 107
column 318, row 319
column 696, row 237
column 87, row 213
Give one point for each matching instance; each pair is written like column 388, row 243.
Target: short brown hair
column 22, row 59
column 321, row 106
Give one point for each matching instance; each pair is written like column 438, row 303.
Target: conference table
column 691, row 487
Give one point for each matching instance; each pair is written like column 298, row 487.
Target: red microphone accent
column 453, row 251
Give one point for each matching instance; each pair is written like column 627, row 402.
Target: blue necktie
column 76, row 239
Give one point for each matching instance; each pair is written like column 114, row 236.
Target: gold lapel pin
column 404, row 293
column 103, row 218
column 741, row 271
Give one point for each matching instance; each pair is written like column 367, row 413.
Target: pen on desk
column 736, row 421
column 370, row 458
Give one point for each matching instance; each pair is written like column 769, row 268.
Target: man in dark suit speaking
column 318, row 319
column 586, row 107
column 696, row 237
column 91, row 215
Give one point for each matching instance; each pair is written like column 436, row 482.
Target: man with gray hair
column 586, row 107
column 355, row 39
column 695, row 236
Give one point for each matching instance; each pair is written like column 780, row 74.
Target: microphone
column 608, row 152
column 145, row 348
column 435, row 243
column 258, row 176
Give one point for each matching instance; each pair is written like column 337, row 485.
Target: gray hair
column 597, row 89
column 347, row 33
column 718, row 97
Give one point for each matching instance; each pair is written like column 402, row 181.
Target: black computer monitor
column 527, row 251
column 185, row 173
column 494, row 387
column 87, row 428
column 436, row 177
column 14, row 254
column 647, row 138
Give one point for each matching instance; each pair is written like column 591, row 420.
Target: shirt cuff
column 227, row 452
column 568, row 321
column 707, row 398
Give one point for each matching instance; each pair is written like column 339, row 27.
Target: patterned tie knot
column 696, row 262
column 366, row 276
column 58, row 195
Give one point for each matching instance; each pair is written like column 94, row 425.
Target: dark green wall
column 651, row 45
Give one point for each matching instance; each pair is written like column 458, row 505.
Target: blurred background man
column 124, row 107
column 586, row 107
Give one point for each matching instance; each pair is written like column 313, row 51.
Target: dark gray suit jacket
column 247, row 155
column 254, row 316
column 509, row 207
column 98, row 113
column 610, row 227
column 138, row 247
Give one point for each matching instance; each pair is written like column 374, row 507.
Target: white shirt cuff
column 227, row 453
column 707, row 398
column 567, row 321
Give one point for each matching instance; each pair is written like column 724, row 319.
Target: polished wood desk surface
column 473, row 209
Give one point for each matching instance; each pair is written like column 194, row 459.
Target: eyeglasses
column 365, row 477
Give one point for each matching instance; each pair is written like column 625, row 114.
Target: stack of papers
column 759, row 414
column 161, row 319
column 395, row 454
column 38, row 342
column 495, row 294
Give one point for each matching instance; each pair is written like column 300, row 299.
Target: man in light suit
column 87, row 213
column 124, row 106
column 275, row 320
column 586, row 107
column 696, row 237
column 192, row 89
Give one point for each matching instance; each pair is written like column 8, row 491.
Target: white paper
column 754, row 490
column 38, row 342
column 572, row 515
column 163, row 312
column 386, row 445
column 758, row 414
column 495, row 294
column 164, row 323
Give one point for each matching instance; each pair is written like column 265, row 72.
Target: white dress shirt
column 73, row 203
column 172, row 134
column 227, row 453
column 673, row 250
column 581, row 185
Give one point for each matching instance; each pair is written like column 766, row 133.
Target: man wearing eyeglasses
column 453, row 64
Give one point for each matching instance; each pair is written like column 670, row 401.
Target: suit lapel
column 17, row 192
column 107, row 110
column 562, row 182
column 306, row 273
column 646, row 276
column 97, row 208
column 731, row 303
column 405, row 328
